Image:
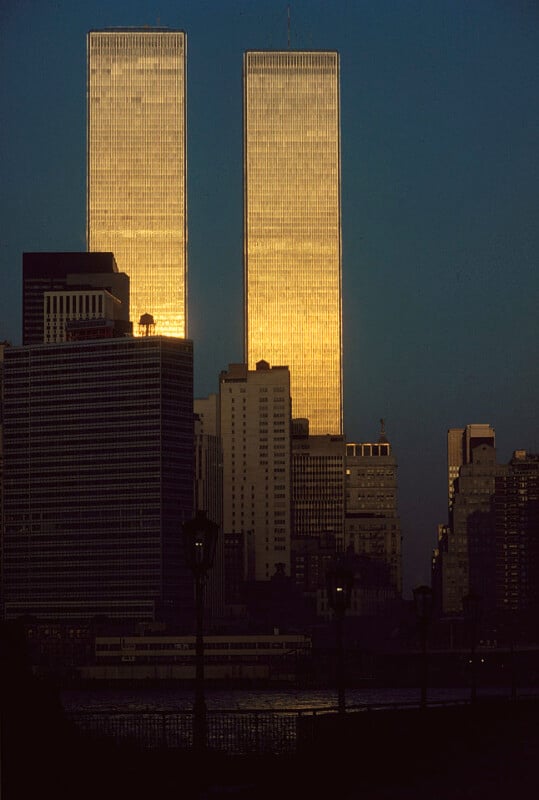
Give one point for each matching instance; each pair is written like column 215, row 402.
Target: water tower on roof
column 146, row 325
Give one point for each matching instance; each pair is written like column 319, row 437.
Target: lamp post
column 339, row 583
column 423, row 610
column 470, row 606
column 200, row 539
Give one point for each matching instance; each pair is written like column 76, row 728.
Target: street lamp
column 339, row 584
column 423, row 610
column 470, row 606
column 200, row 540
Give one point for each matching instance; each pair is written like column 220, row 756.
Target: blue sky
column 440, row 176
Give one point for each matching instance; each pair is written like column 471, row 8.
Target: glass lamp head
column 200, row 540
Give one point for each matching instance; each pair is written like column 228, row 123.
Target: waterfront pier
column 489, row 749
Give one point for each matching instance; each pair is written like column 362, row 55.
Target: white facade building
column 255, row 412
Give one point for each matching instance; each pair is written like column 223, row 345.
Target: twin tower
column 137, row 200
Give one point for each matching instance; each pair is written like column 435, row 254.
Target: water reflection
column 172, row 699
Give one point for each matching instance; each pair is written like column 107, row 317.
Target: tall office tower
column 136, row 170
column 292, row 227
column 317, row 505
column 209, row 491
column 98, row 447
column 255, row 435
column 84, row 275
column 460, row 444
column 372, row 519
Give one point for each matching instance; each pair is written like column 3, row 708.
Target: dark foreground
column 490, row 750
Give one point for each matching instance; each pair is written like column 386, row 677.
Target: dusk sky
column 440, row 198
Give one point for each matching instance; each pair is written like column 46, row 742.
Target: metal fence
column 235, row 732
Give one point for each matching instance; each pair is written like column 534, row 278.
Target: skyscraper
column 136, row 166
column 292, row 227
column 98, row 445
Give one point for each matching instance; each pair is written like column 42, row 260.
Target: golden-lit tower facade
column 292, row 226
column 136, row 166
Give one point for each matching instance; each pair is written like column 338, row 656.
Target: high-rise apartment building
column 98, row 458
column 292, row 226
column 255, row 435
column 136, row 166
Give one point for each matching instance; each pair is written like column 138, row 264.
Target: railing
column 232, row 731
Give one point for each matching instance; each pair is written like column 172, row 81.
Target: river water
column 175, row 699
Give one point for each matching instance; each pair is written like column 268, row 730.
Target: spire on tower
column 288, row 22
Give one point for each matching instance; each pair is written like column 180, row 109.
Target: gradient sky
column 440, row 191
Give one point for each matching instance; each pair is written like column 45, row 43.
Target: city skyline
column 136, row 167
column 439, row 201
column 292, row 224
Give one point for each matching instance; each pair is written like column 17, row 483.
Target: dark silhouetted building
column 98, row 479
column 317, row 505
column 460, row 445
column 516, row 507
column 209, row 491
column 469, row 555
column 491, row 545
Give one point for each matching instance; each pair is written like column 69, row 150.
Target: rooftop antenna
column 288, row 21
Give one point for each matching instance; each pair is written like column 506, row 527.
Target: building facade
column 318, row 505
column 516, row 507
column 255, row 435
column 292, row 227
column 471, row 470
column 208, row 485
column 471, row 554
column 136, row 166
column 67, row 312
column 372, row 524
column 460, row 444
column 98, row 479
column 82, row 274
